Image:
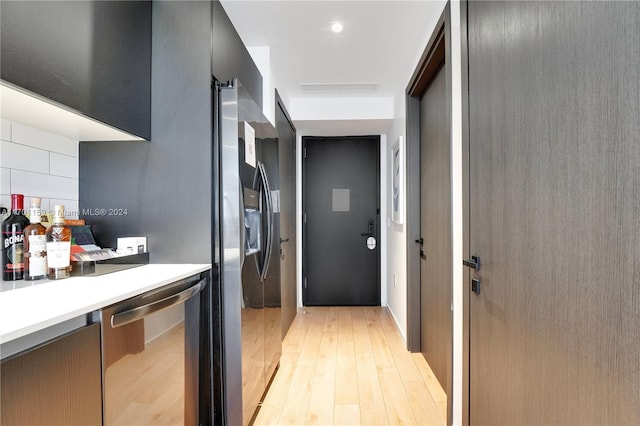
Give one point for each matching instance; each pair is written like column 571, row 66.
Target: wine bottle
column 58, row 246
column 35, row 244
column 12, row 238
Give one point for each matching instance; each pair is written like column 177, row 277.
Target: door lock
column 475, row 286
column 370, row 229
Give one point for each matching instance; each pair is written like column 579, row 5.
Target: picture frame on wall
column 397, row 181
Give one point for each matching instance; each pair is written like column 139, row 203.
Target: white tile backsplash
column 5, row 181
column 42, row 185
column 23, row 157
column 36, row 138
column 63, row 165
column 38, row 164
column 44, row 204
column 5, row 130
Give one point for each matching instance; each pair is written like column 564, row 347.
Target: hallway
column 349, row 366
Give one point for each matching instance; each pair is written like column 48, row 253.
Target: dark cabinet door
column 91, row 56
column 58, row 383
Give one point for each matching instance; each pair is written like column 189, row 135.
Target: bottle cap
column 35, row 202
column 17, row 201
column 58, row 211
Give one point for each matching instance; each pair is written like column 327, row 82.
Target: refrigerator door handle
column 269, row 243
column 243, row 230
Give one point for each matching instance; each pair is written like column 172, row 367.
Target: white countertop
column 43, row 304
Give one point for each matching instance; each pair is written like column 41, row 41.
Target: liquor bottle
column 12, row 237
column 35, row 244
column 58, row 246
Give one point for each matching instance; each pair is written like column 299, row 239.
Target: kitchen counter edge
column 31, row 309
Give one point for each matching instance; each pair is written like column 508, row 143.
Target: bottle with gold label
column 58, row 246
column 35, row 244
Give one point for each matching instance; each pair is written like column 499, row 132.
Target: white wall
column 261, row 56
column 38, row 164
column 396, row 237
column 456, row 211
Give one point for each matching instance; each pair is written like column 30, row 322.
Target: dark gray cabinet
column 58, row 383
column 91, row 56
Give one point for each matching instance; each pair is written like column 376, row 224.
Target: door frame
column 466, row 223
column 304, row 140
column 438, row 49
column 466, row 272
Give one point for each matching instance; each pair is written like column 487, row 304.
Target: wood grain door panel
column 435, row 228
column 554, row 201
column 58, row 383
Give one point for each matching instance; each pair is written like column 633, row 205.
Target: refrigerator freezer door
column 232, row 249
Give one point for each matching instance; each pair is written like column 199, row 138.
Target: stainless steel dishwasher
column 152, row 356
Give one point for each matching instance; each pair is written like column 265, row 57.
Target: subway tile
column 22, row 157
column 5, row 130
column 63, row 165
column 44, row 204
column 41, row 185
column 5, row 182
column 37, row 138
column 5, row 201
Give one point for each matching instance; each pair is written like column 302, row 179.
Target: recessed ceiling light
column 337, row 27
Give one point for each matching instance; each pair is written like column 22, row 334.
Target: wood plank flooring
column 349, row 366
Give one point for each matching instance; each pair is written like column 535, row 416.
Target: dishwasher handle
column 139, row 312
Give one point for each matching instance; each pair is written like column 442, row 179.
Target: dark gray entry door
column 554, row 201
column 341, row 211
column 435, row 228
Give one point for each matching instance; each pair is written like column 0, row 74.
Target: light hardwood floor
column 349, row 366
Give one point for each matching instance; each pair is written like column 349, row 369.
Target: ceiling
column 374, row 56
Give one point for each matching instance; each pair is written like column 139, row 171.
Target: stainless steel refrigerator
column 249, row 218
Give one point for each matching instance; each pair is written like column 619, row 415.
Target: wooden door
column 554, row 154
column 435, row 228
column 287, row 147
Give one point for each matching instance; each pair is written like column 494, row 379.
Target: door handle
column 284, row 240
column 268, row 246
column 140, row 312
column 421, row 242
column 473, row 263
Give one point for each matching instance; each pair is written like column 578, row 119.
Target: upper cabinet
column 93, row 57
